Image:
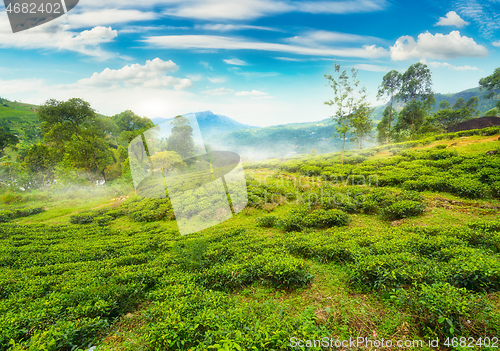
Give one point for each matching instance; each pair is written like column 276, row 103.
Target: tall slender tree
column 348, row 98
column 416, row 89
column 391, row 84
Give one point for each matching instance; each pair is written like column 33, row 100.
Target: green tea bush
column 403, row 209
column 83, row 218
column 267, row 221
column 442, row 308
column 467, row 187
column 326, row 218
column 13, row 213
column 103, row 220
column 301, row 218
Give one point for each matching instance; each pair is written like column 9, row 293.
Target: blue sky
column 260, row 62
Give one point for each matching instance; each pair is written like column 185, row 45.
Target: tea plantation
column 400, row 243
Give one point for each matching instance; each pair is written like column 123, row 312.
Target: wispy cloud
column 251, row 93
column 231, row 27
column 232, row 43
column 371, row 68
column 436, row 64
column 56, row 36
column 485, row 15
column 218, row 91
column 496, row 43
column 236, row 62
column 217, row 80
column 318, row 38
column 106, row 17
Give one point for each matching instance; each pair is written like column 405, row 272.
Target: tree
column 77, row 132
column 362, row 124
column 129, row 121
column 348, row 98
column 411, row 117
column 384, row 127
column 7, row 139
column 445, row 119
column 443, row 105
column 459, row 104
column 416, row 88
column 40, row 163
column 63, row 119
column 472, row 106
column 181, row 140
column 491, row 83
column 391, row 84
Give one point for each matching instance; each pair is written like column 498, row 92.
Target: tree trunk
column 343, row 148
column 390, row 122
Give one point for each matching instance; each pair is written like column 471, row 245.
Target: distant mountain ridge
column 212, row 124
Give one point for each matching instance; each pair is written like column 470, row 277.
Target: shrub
column 267, row 221
column 441, row 307
column 9, row 198
column 403, row 209
column 103, row 220
column 84, row 218
column 294, row 221
column 467, row 187
column 8, row 215
column 326, row 218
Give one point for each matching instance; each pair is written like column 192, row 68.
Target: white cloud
column 108, row 17
column 452, row 19
column 231, row 27
column 217, row 80
column 251, row 93
column 340, row 7
column 218, row 91
column 150, row 75
column 195, row 77
column 57, row 36
column 449, row 66
column 496, row 43
column 19, row 86
column 229, row 9
column 371, row 68
column 236, row 62
column 321, row 37
column 439, row 46
column 230, row 43
column 253, row 9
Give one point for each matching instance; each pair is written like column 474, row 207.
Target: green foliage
column 301, row 218
column 267, row 221
column 14, row 213
column 350, row 102
column 146, row 210
column 181, row 140
column 443, row 309
column 491, row 83
column 7, row 139
column 403, row 209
